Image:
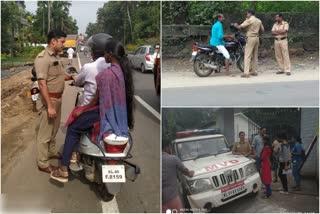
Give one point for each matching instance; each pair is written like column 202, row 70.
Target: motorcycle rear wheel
column 240, row 63
column 198, row 65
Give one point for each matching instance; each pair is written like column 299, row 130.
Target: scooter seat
column 113, row 139
column 208, row 46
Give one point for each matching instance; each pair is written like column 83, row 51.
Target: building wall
column 309, row 127
column 225, row 122
column 240, row 124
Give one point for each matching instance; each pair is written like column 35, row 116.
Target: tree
column 11, row 15
column 129, row 22
column 59, row 19
column 202, row 12
column 92, row 28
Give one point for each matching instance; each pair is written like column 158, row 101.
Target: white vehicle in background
column 143, row 58
column 220, row 177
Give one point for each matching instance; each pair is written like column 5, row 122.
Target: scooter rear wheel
column 104, row 194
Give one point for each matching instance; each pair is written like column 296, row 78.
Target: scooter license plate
column 113, row 174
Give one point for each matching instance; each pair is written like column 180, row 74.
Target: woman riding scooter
column 114, row 97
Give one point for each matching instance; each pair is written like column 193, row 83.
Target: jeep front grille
column 223, row 179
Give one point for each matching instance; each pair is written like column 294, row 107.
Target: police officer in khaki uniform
column 280, row 32
column 254, row 28
column 51, row 79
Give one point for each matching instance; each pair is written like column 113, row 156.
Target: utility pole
column 49, row 14
column 43, row 22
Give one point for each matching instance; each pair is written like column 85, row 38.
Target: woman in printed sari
column 112, row 106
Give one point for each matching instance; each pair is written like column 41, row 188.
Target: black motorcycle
column 207, row 58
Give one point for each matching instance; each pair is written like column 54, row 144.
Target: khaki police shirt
column 242, row 148
column 253, row 26
column 282, row 26
column 49, row 67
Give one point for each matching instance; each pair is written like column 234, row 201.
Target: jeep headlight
column 200, row 185
column 250, row 169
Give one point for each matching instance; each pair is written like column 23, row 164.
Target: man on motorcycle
column 217, row 40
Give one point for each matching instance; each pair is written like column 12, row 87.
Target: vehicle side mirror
column 72, row 70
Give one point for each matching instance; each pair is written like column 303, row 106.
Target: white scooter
column 104, row 163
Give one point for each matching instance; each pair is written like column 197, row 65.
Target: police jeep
column 220, row 177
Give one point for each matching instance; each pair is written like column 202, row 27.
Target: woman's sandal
column 59, row 175
column 74, row 157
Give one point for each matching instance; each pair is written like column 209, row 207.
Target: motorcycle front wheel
column 198, row 65
column 240, row 63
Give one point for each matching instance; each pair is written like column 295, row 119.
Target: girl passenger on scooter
column 114, row 96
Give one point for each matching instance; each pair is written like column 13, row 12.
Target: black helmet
column 97, row 43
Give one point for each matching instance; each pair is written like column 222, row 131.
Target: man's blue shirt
column 217, row 34
column 297, row 149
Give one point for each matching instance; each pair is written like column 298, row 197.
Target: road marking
column 147, row 106
column 111, row 206
column 79, row 61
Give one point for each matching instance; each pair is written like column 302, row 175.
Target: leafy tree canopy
column 202, row 12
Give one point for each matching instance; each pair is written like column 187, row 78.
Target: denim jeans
column 83, row 123
column 283, row 177
column 258, row 164
column 295, row 171
column 268, row 190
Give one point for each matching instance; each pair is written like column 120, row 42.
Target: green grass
column 14, row 62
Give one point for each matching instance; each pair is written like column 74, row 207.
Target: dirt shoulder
column 179, row 72
column 17, row 119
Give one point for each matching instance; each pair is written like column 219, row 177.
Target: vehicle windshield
column 153, row 50
column 201, row 148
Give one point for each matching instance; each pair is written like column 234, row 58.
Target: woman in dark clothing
column 266, row 176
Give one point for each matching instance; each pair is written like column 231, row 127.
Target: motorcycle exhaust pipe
column 209, row 66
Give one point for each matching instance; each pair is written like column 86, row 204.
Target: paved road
column 27, row 189
column 299, row 93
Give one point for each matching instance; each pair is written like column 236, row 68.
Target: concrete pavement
column 182, row 87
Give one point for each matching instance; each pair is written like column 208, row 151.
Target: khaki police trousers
column 251, row 55
column 46, row 131
column 282, row 55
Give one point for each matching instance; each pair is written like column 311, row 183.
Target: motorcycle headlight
column 200, row 185
column 250, row 169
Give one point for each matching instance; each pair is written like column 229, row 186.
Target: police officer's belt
column 55, row 95
column 252, row 36
column 282, row 38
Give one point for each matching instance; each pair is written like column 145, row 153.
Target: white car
column 143, row 58
column 220, row 177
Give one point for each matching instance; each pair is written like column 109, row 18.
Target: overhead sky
column 83, row 11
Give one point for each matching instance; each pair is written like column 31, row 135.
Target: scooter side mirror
column 72, row 70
